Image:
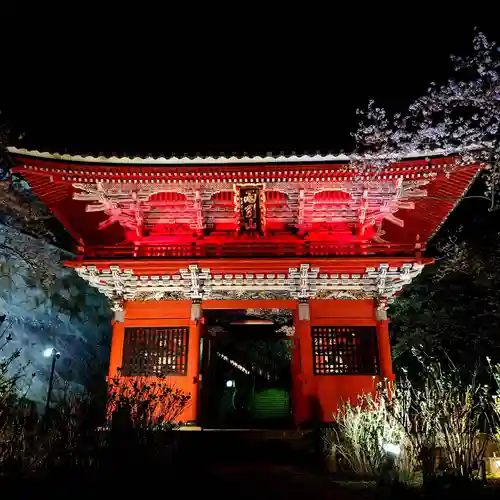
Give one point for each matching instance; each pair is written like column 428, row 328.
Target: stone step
column 207, row 448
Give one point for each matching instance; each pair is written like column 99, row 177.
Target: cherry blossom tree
column 25, row 223
column 460, row 117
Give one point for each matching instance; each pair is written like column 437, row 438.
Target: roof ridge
column 192, row 159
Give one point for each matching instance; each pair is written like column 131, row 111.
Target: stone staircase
column 220, row 448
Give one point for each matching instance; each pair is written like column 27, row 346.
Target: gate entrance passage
column 246, row 379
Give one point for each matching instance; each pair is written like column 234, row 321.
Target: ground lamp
column 392, row 451
column 51, row 352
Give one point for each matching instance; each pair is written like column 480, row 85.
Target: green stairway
column 270, row 404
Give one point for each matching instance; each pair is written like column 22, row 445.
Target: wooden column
column 384, row 344
column 193, row 369
column 116, row 355
column 303, row 383
column 295, row 367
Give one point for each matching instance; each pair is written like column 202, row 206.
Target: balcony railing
column 256, row 248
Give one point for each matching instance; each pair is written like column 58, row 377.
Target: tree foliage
column 453, row 307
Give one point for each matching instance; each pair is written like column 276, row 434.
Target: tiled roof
column 200, row 160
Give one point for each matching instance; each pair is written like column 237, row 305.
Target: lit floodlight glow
column 392, row 449
column 497, row 463
column 48, row 352
column 230, row 383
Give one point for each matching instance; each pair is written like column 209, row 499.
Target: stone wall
column 48, row 305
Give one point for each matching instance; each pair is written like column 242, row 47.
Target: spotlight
column 392, row 449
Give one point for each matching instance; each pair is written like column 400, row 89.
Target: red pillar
column 194, row 365
column 296, row 369
column 116, row 354
column 304, row 389
column 193, row 368
column 384, row 345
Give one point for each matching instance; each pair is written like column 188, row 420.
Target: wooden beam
column 249, row 304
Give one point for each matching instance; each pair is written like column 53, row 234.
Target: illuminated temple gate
column 170, row 240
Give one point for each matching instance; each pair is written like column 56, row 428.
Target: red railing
column 256, row 248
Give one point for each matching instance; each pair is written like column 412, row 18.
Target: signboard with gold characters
column 251, row 201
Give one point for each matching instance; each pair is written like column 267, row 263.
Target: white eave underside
column 204, row 160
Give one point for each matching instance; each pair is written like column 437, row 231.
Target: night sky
column 236, row 92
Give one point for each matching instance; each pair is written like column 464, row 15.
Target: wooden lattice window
column 345, row 350
column 157, row 352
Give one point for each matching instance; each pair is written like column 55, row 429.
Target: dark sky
column 228, row 91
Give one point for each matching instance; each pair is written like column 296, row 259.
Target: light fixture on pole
column 51, row 352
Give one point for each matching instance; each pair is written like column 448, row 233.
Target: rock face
column 48, row 305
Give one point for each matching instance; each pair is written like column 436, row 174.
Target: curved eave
column 174, row 160
column 202, row 160
column 307, row 171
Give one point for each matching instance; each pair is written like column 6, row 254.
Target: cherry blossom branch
column 460, row 117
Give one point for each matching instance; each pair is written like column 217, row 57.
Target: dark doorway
column 246, row 369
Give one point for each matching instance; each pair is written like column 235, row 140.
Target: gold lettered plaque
column 251, row 200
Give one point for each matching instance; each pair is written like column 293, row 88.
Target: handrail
column 256, row 248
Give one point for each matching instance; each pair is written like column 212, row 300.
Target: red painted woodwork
column 384, row 350
column 163, row 314
column 170, row 226
column 248, row 304
column 267, row 265
column 296, row 394
column 319, row 396
column 116, row 355
column 176, row 311
column 330, row 393
column 304, row 384
column 342, row 309
column 312, row 396
column 193, row 372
